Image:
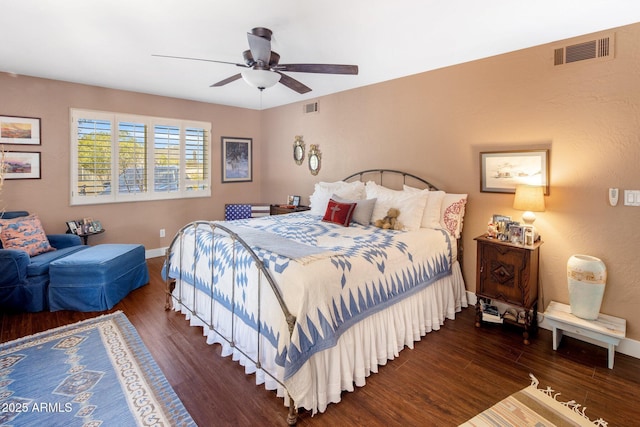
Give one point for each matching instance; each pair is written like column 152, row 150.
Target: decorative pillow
column 324, row 190
column 339, row 213
column 411, row 205
column 453, row 207
column 24, row 233
column 364, row 209
column 433, row 210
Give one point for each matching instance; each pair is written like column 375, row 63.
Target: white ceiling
column 110, row 43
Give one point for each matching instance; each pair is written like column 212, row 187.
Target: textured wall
column 435, row 124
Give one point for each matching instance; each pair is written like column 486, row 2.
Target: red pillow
column 339, row 213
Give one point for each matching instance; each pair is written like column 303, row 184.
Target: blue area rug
column 95, row 372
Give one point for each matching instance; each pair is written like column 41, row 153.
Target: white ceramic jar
column 586, row 277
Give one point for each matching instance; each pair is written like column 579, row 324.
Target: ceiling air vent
column 310, row 108
column 600, row 48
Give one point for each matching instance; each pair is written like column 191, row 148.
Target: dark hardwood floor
column 449, row 376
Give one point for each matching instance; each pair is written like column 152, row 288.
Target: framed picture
column 236, row 159
column 515, row 234
column 501, row 171
column 72, row 226
column 19, row 130
column 500, row 223
column 21, row 165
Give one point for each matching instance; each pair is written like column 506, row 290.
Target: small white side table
column 607, row 329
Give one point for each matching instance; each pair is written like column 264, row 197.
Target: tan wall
column 435, row 124
column 125, row 222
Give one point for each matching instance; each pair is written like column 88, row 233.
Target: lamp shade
column 261, row 79
column 529, row 198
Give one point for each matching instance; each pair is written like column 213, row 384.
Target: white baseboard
column 154, row 253
column 627, row 346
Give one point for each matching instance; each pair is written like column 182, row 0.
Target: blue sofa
column 23, row 279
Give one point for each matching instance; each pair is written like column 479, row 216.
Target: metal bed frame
column 263, row 274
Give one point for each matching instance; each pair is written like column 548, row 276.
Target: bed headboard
column 394, row 178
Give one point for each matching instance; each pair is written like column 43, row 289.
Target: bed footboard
column 224, row 316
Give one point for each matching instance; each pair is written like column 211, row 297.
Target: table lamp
column 529, row 198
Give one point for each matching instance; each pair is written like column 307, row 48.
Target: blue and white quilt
column 330, row 276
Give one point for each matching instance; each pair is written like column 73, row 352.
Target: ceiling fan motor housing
column 265, row 33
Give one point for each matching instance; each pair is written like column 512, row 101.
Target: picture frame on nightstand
column 73, row 227
column 293, row 201
column 515, row 234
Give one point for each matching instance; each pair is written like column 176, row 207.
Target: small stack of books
column 490, row 313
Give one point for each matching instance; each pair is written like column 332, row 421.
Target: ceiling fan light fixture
column 260, row 79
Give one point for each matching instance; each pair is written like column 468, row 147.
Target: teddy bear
column 390, row 222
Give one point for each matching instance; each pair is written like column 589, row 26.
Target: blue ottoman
column 96, row 278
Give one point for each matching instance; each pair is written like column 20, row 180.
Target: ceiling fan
column 262, row 67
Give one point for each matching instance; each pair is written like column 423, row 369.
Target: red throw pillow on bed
column 339, row 213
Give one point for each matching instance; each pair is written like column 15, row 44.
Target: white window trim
column 150, row 122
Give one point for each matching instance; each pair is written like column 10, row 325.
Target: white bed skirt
column 359, row 351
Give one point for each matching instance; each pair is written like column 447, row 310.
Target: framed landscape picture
column 501, row 171
column 19, row 130
column 236, row 159
column 21, row 165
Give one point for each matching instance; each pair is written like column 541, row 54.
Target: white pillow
column 411, row 205
column 432, row 212
column 324, row 190
column 453, row 207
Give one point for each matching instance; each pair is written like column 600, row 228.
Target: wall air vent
column 310, row 108
column 589, row 49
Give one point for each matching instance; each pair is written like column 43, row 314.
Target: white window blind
column 132, row 157
column 93, row 155
column 197, row 159
column 167, row 158
column 118, row 157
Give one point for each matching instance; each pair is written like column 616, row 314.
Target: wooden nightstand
column 286, row 209
column 509, row 273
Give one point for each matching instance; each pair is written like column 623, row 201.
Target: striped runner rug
column 536, row 408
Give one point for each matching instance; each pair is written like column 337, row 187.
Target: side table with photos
column 507, row 272
column 84, row 228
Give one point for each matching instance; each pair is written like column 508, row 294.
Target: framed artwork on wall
column 21, row 165
column 237, row 163
column 19, row 130
column 501, row 171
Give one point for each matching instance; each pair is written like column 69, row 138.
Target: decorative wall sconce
column 298, row 150
column 314, row 159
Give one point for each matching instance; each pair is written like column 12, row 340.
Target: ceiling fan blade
column 200, row 59
column 318, row 68
column 227, row 80
column 260, row 49
column 293, row 84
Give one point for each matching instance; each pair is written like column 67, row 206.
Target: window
column 120, row 157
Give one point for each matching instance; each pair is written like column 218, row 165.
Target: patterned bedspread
column 330, row 276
